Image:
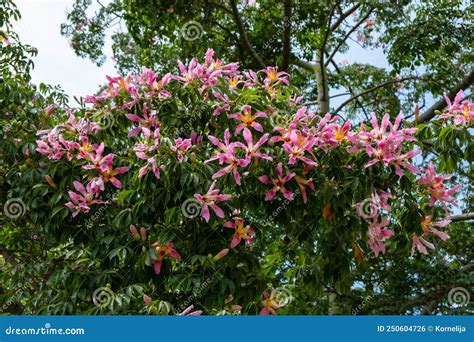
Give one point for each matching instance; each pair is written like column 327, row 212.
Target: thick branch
column 348, row 34
column 463, row 84
column 243, row 35
column 343, row 16
column 462, row 217
column 286, row 34
column 381, row 85
column 304, row 64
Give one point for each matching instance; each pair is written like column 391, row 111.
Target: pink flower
column 146, row 124
column 195, row 138
column 209, row 200
column 302, row 184
column 462, row 112
column 227, row 156
column 377, row 233
column 278, row 184
column 222, row 105
column 270, row 304
column 134, row 232
column 251, row 150
column 297, row 146
column 205, row 75
column 163, row 250
column 82, row 199
column 429, row 226
column 274, row 77
column 436, row 188
column 180, row 146
column 251, row 3
column 151, row 163
column 147, row 299
column 96, row 159
column 110, row 173
column 241, row 233
column 385, row 144
column 420, row 244
column 247, row 119
column 187, row 312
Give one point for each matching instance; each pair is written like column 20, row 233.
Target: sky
column 56, row 62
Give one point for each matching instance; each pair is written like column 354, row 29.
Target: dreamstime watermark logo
column 197, row 293
column 16, row 296
column 110, row 198
column 459, row 296
column 368, row 208
column 104, row 119
column 14, row 208
column 103, row 296
column 280, row 209
column 191, row 208
column 367, row 299
column 278, row 33
column 192, row 119
column 192, row 30
column 282, row 295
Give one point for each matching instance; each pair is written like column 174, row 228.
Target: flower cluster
column 385, row 144
column 460, row 111
column 54, row 145
column 370, row 210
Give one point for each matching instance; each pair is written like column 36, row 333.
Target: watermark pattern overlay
column 103, row 296
column 192, row 30
column 96, row 216
column 459, row 296
column 14, row 208
column 282, row 295
column 104, row 119
column 191, row 208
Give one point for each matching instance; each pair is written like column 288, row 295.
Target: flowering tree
column 216, row 190
column 235, row 185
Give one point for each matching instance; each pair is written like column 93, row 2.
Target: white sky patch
column 56, row 62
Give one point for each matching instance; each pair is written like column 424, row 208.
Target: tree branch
column 463, row 84
column 304, row 64
column 348, row 34
column 381, row 85
column 286, row 34
column 344, row 16
column 243, row 36
column 462, row 217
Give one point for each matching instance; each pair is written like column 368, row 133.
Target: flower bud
column 143, row 233
column 146, row 299
column 134, row 232
column 221, row 254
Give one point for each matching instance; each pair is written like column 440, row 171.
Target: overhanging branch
column 463, row 84
column 365, row 92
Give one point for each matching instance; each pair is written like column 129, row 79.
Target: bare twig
column 381, row 85
column 348, row 34
column 243, row 35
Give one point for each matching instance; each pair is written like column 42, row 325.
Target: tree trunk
column 321, row 83
column 332, row 298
